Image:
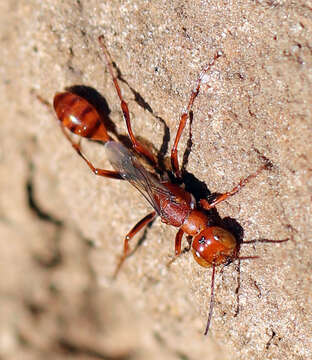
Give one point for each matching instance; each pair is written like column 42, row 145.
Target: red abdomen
column 79, row 116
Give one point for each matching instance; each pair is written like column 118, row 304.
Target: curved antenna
column 211, row 299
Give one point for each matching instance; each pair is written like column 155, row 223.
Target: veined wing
column 128, row 165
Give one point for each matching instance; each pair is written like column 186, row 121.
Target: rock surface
column 62, row 228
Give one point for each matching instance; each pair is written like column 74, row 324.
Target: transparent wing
column 130, row 168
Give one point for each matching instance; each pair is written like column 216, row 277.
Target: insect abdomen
column 79, row 116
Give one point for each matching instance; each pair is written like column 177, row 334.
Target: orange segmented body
column 79, row 116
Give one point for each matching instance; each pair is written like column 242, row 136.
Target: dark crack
column 83, row 350
column 33, row 204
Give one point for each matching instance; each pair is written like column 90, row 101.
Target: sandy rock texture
column 62, row 228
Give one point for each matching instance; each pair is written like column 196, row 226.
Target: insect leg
column 137, row 227
column 101, row 172
column 138, row 147
column 221, row 197
column 185, row 116
column 178, row 241
column 177, row 246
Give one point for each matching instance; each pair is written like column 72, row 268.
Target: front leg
column 137, row 227
column 178, row 242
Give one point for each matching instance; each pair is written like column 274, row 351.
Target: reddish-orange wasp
column 211, row 245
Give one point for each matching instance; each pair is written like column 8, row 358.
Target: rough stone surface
column 62, row 228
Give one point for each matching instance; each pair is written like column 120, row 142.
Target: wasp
column 211, row 245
